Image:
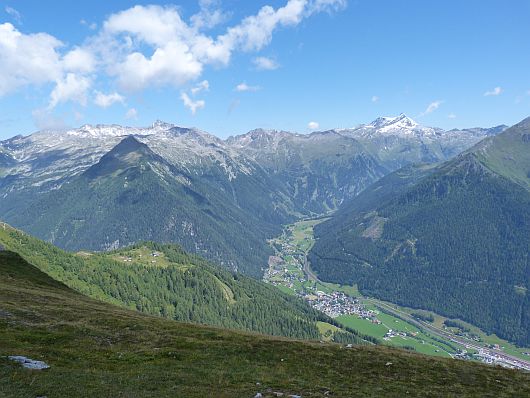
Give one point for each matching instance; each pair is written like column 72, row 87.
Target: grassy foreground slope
column 97, row 349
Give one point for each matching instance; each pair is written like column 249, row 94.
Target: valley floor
column 396, row 326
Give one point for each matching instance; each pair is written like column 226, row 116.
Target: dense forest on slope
column 99, row 350
column 164, row 280
column 456, row 240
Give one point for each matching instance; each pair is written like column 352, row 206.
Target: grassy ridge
column 173, row 284
column 96, row 349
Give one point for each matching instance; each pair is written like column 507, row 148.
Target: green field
column 327, row 330
column 421, row 343
column 491, row 339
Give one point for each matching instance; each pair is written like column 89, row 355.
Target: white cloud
column 181, row 50
column 375, row 98
column 451, row 116
column 209, row 16
column 106, row 100
column 172, row 65
column 496, row 91
column 143, row 47
column 255, row 32
column 432, row 107
column 327, row 5
column 79, row 60
column 264, row 63
column 313, row 125
column 193, row 106
column 27, row 59
column 131, row 114
column 14, row 14
column 202, row 86
column 242, row 87
column 71, row 88
column 91, row 26
column 35, row 59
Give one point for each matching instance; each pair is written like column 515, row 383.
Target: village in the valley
column 288, row 270
column 331, row 303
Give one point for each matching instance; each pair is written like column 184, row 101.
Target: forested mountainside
column 102, row 187
column 164, row 280
column 452, row 238
column 95, row 349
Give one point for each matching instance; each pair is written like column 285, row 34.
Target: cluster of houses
column 395, row 333
column 492, row 358
column 128, row 259
column 337, row 303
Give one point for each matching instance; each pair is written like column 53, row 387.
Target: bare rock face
column 29, row 363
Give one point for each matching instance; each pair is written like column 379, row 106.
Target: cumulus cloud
column 181, row 50
column 71, row 88
column 106, row 100
column 202, row 86
column 451, row 116
column 209, row 16
column 131, row 114
column 264, row 63
column 143, row 47
column 79, row 60
column 313, row 125
column 496, row 91
column 242, row 87
column 172, row 65
column 35, row 59
column 27, row 59
column 375, row 98
column 193, row 106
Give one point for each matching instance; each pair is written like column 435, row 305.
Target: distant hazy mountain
column 319, row 170
column 88, row 188
column 400, row 141
column 454, row 238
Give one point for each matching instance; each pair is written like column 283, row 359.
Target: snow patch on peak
column 402, row 121
column 161, row 124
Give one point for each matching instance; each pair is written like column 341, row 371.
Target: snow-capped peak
column 162, row 125
column 395, row 121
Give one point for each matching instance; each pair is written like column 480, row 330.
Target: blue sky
column 228, row 66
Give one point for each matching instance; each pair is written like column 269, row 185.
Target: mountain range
column 452, row 237
column 103, row 187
